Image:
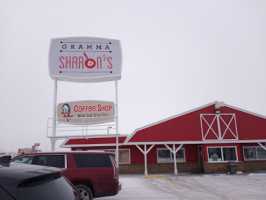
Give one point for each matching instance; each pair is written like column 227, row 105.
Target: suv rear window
column 52, row 187
column 92, row 160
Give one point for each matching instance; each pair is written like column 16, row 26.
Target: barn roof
column 199, row 125
column 234, row 125
column 89, row 142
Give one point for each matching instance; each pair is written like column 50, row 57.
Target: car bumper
column 119, row 188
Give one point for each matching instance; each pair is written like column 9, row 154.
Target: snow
column 194, row 187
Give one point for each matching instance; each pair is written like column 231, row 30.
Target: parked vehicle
column 94, row 173
column 26, row 182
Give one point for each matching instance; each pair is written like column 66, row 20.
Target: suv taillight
column 61, row 170
column 115, row 174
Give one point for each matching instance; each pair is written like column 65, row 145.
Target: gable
column 231, row 124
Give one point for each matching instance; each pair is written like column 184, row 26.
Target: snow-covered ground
column 195, row 187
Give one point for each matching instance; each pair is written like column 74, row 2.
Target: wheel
column 85, row 191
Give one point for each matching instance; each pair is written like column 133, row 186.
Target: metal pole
column 219, row 128
column 145, row 160
column 116, row 111
column 174, row 150
column 116, row 104
column 53, row 140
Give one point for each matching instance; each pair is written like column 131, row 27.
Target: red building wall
column 250, row 127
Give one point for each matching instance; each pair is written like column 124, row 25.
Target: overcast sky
column 177, row 56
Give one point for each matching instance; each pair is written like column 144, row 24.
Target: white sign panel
column 85, row 59
column 85, row 112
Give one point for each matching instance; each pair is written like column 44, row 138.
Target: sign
column 85, row 59
column 85, row 112
column 37, row 144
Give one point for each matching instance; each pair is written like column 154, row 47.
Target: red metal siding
column 188, row 127
column 136, row 156
column 183, row 128
column 191, row 153
column 79, row 141
column 250, row 127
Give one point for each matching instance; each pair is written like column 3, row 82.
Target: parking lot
column 195, row 187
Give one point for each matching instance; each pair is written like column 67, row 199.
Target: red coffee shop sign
column 85, row 112
column 85, row 59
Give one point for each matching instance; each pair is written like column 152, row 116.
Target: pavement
column 241, row 186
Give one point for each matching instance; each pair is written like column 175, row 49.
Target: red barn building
column 203, row 140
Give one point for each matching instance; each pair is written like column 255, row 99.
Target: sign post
column 85, row 59
column 53, row 140
column 117, row 139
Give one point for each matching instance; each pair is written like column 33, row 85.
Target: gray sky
column 177, row 55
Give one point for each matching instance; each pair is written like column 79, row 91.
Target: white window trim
column 221, row 147
column 256, row 147
column 171, row 153
column 129, row 156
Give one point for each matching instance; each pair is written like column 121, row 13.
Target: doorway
column 201, row 158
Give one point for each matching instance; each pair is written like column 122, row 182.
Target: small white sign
column 85, row 112
column 85, row 59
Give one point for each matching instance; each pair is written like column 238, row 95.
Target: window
column 45, row 160
column 250, row 153
column 23, row 159
column 49, row 160
column 92, row 160
column 124, row 155
column 221, row 154
column 254, row 153
column 215, row 154
column 165, row 156
column 45, row 187
column 261, row 153
column 229, row 153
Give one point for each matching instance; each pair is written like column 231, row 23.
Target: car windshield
column 55, row 189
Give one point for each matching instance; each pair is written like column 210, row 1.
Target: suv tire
column 85, row 191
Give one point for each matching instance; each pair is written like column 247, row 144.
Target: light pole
column 108, row 129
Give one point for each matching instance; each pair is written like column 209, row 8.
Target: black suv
column 29, row 182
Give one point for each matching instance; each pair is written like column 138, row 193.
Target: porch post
column 145, row 152
column 174, row 151
column 175, row 170
column 145, row 160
